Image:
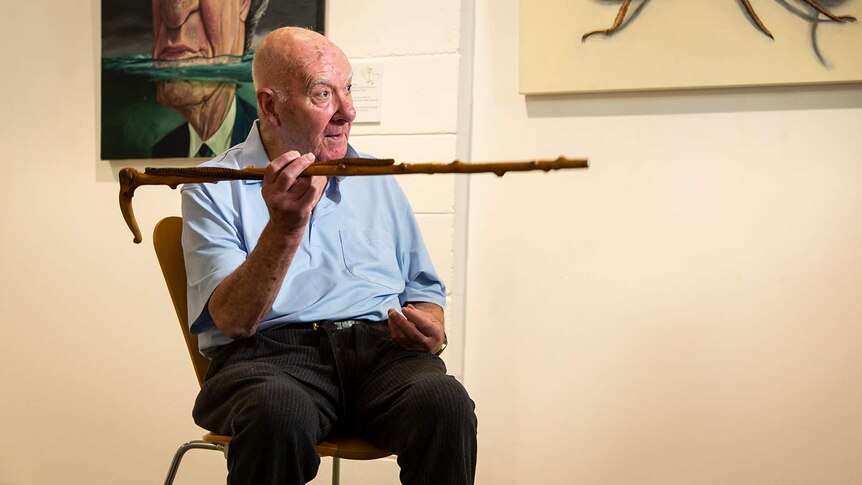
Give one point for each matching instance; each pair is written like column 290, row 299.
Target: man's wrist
column 443, row 345
column 287, row 237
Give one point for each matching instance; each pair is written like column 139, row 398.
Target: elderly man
column 315, row 297
column 193, row 32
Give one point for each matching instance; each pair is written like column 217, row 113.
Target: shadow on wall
column 694, row 101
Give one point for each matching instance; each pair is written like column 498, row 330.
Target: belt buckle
column 337, row 325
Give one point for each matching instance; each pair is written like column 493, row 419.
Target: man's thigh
column 282, row 379
column 408, row 390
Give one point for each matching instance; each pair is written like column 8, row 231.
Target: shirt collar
column 220, row 141
column 253, row 152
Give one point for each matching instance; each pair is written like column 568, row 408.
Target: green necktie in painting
column 205, row 152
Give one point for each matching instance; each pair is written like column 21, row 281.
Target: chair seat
column 216, row 438
column 348, row 447
column 351, row 448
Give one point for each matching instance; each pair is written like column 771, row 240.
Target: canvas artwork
column 571, row 46
column 176, row 75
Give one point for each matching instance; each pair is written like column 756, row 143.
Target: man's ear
column 244, row 7
column 266, row 106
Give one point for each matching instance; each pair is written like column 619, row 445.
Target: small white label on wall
column 368, row 91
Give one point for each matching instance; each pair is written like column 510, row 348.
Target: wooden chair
column 166, row 239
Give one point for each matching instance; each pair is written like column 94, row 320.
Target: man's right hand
column 242, row 299
column 289, row 197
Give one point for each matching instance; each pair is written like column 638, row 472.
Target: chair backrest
column 169, row 250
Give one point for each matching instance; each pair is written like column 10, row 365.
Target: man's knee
column 441, row 401
column 275, row 426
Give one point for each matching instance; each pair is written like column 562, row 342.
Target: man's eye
column 323, row 94
column 349, row 87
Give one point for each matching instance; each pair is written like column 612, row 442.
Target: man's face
column 188, row 29
column 317, row 109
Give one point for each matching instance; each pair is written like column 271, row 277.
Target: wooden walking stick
column 131, row 179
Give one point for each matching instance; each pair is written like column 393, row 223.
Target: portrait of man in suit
column 176, row 74
column 195, row 32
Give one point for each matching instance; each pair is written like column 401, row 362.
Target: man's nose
column 175, row 12
column 346, row 112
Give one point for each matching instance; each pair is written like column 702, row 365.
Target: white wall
column 97, row 386
column 685, row 311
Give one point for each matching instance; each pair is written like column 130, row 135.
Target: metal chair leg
column 336, row 470
column 178, row 456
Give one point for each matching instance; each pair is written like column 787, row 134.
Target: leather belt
column 327, row 324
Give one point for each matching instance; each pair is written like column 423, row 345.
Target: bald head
column 288, row 53
column 302, row 82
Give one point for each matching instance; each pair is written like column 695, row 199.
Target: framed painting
column 570, row 46
column 176, row 75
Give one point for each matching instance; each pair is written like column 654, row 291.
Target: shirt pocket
column 370, row 256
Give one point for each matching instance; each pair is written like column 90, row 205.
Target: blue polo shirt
column 362, row 252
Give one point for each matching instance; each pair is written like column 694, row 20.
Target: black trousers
column 282, row 391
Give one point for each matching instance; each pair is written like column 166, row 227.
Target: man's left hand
column 418, row 327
